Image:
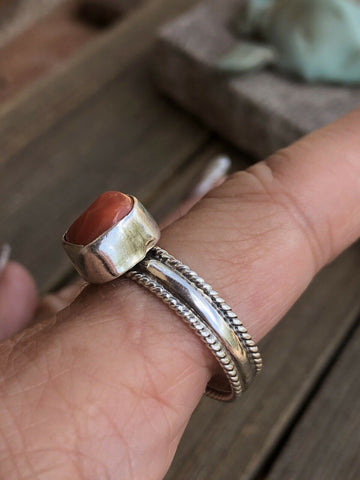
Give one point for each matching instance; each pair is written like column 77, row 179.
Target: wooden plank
column 120, row 134
column 39, row 108
column 16, row 15
column 325, row 445
column 34, row 53
column 164, row 202
column 260, row 111
column 173, row 192
column 127, row 138
column 95, row 124
column 234, row 441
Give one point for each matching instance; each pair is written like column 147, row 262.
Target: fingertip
column 18, row 299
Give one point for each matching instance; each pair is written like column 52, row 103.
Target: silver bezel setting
column 118, row 249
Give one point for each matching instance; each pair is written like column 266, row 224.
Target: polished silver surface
column 202, row 306
column 228, row 386
column 129, row 247
column 203, row 310
column 118, row 249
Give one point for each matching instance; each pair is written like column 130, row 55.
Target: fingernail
column 212, row 175
column 5, row 251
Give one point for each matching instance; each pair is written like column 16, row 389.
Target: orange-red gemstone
column 104, row 213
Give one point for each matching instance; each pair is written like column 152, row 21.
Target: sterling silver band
column 128, row 247
column 208, row 315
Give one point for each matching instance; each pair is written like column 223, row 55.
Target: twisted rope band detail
column 233, row 370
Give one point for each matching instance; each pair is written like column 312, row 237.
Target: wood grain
column 235, row 441
column 17, row 15
column 178, row 188
column 98, row 123
column 35, row 52
column 73, row 83
column 127, row 138
column 325, row 445
column 259, row 111
column 37, row 49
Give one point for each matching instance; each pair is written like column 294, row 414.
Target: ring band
column 128, row 246
column 206, row 313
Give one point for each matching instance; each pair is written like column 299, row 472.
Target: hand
column 105, row 387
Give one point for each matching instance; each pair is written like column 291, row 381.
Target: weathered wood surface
column 259, row 112
column 325, row 445
column 17, row 15
column 228, row 442
column 40, row 48
column 52, row 39
column 74, row 83
column 98, row 123
column 176, row 190
column 117, row 141
column 125, row 137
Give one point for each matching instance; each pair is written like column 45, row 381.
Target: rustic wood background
column 267, row 104
column 94, row 121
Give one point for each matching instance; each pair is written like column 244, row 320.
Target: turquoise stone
column 317, row 40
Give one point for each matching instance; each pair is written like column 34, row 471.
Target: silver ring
column 118, row 249
column 128, row 246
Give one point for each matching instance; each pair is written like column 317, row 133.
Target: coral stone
column 104, row 213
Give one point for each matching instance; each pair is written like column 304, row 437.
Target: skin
column 16, row 284
column 108, row 384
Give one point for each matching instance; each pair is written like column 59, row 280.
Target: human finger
column 18, row 299
column 258, row 239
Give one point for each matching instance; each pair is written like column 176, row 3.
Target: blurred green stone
column 317, row 40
